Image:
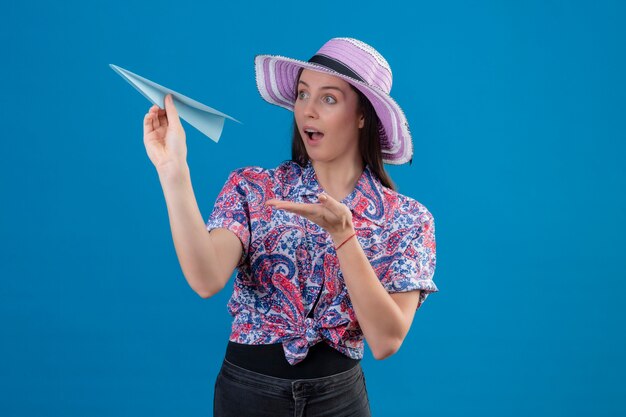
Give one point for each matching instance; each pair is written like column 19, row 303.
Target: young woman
column 328, row 253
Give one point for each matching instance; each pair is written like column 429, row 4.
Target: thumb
column 325, row 198
column 331, row 204
column 170, row 110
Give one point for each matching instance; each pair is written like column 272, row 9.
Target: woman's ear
column 361, row 121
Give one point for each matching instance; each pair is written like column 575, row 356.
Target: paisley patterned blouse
column 288, row 260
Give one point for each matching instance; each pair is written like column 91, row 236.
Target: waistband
column 293, row 387
column 269, row 359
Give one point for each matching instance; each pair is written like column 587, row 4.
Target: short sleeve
column 414, row 267
column 231, row 211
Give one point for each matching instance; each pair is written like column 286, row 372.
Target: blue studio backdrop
column 517, row 114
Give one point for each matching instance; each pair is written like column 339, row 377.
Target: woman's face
column 327, row 105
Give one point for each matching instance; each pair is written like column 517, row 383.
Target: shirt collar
column 367, row 200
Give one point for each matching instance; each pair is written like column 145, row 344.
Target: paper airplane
column 204, row 118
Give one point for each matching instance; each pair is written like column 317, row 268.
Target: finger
column 147, row 124
column 153, row 118
column 280, row 205
column 330, row 203
column 299, row 208
column 170, row 109
column 147, row 120
column 162, row 118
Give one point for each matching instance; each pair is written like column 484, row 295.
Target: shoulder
column 406, row 211
column 248, row 172
column 249, row 175
column 283, row 171
column 287, row 173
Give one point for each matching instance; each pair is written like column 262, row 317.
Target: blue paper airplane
column 204, row 118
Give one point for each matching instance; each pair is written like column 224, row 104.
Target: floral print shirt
column 288, row 261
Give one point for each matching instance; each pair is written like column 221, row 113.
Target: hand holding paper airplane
column 164, row 136
column 204, row 118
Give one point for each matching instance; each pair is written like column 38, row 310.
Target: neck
column 338, row 180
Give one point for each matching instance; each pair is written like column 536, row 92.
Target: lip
column 305, row 127
column 307, row 138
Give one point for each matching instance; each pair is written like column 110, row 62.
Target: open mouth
column 313, row 134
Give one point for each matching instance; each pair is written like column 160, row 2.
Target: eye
column 301, row 94
column 332, row 100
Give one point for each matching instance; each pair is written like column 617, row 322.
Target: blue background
column 517, row 112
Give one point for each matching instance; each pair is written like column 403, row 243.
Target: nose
column 309, row 109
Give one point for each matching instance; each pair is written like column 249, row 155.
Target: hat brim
column 276, row 79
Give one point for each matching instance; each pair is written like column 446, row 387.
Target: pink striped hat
column 358, row 64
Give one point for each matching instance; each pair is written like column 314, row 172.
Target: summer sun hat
column 356, row 63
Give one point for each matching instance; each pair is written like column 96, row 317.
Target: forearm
column 194, row 247
column 379, row 317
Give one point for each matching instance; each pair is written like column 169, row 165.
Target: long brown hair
column 369, row 142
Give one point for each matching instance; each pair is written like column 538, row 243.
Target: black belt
column 321, row 360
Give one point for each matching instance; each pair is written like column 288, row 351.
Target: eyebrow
column 331, row 87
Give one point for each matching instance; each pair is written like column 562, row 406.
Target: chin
column 322, row 158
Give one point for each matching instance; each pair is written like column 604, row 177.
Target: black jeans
column 243, row 393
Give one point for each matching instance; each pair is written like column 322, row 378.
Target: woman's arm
column 385, row 320
column 207, row 259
